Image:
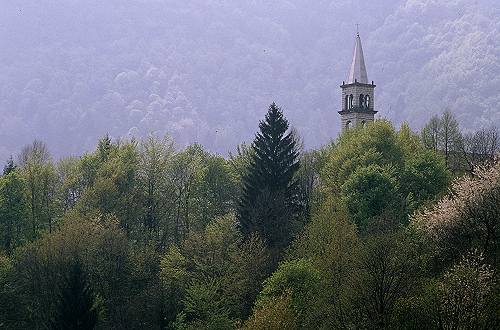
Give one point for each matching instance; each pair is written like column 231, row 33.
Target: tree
column 39, row 173
column 12, row 307
column 420, row 165
column 416, row 183
column 218, row 190
column 268, row 204
column 466, row 218
column 203, row 308
column 123, row 274
column 77, row 308
column 443, row 134
column 301, row 280
column 217, row 261
column 370, row 192
column 155, row 160
column 388, row 268
column 70, row 182
column 450, row 135
column 376, row 170
column 241, row 162
column 275, row 313
column 14, row 227
column 466, row 293
column 186, row 173
column 331, row 243
column 376, row 144
column 431, row 133
column 308, row 182
column 114, row 190
column 104, row 148
column 481, row 147
column 9, row 167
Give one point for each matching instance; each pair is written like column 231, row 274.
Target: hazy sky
column 206, row 71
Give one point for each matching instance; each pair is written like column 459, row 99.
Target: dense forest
column 205, row 71
column 383, row 228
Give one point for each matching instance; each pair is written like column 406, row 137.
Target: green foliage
column 416, row 182
column 9, row 167
column 274, row 313
column 467, row 218
column 376, row 144
column 217, row 260
column 14, row 227
column 240, row 162
column 308, row 179
column 158, row 194
column 377, row 171
column 363, row 279
column 217, row 190
column 70, row 181
column 268, row 204
column 104, row 148
column 370, row 192
column 156, row 156
column 153, row 231
column 443, row 134
column 204, row 308
column 331, row 243
column 114, row 189
column 126, row 278
column 419, row 310
column 431, row 133
column 77, row 307
column 302, row 281
column 465, row 293
column 12, row 307
column 388, row 269
column 39, row 174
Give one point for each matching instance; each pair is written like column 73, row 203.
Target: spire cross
column 357, row 29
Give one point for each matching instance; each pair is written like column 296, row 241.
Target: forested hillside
column 202, row 71
column 384, row 228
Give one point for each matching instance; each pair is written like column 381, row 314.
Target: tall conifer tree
column 77, row 306
column 269, row 202
column 9, row 166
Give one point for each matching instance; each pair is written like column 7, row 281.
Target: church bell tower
column 357, row 93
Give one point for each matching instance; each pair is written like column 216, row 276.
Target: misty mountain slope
column 70, row 71
column 449, row 61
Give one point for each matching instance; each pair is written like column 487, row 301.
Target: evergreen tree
column 269, row 202
column 104, row 148
column 77, row 307
column 14, row 224
column 9, row 166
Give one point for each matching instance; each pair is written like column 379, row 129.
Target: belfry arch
column 357, row 92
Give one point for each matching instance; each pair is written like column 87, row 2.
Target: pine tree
column 269, row 202
column 9, row 166
column 104, row 147
column 77, row 307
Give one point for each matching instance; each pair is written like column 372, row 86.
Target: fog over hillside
column 206, row 71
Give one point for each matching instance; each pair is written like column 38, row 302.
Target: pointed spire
column 358, row 68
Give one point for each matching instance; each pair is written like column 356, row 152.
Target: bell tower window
column 357, row 108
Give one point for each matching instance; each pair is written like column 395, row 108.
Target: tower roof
column 358, row 67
